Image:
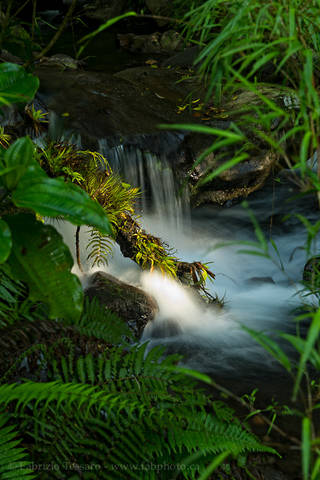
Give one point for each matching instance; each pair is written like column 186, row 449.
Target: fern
column 103, row 408
column 100, row 248
column 13, row 459
column 99, row 322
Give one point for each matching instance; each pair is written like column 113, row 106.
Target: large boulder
column 132, row 304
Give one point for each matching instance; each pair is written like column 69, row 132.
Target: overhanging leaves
column 16, row 85
column 52, row 197
column 41, row 259
column 16, row 160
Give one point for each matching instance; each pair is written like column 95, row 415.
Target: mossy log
column 151, row 252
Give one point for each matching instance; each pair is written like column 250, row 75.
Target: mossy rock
column 132, row 304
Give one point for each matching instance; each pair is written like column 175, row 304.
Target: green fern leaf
column 13, row 459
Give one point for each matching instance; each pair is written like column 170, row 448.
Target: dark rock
column 166, row 42
column 104, row 10
column 6, row 56
column 63, row 61
column 99, row 105
column 185, row 59
column 163, row 83
column 127, row 108
column 161, row 8
column 233, row 184
column 260, row 280
column 135, row 306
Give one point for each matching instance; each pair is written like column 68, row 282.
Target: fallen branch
column 129, row 235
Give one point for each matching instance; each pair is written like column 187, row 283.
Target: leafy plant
column 16, row 85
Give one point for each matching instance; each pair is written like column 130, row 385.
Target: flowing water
column 258, row 292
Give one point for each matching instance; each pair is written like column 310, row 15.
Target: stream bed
column 261, row 293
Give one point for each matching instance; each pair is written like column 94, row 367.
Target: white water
column 154, row 176
column 257, row 293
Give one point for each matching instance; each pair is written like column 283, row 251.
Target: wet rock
column 132, row 304
column 238, row 182
column 63, row 61
column 184, row 59
column 244, row 100
column 99, row 105
column 127, row 108
column 6, row 56
column 104, row 10
column 260, row 280
column 164, row 85
column 231, row 185
column 156, row 42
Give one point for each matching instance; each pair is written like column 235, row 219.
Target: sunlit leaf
column 52, row 197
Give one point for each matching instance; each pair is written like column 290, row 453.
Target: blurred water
column 258, row 292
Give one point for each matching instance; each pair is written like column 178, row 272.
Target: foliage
column 151, row 254
column 24, row 184
column 249, row 36
column 268, row 54
column 13, row 459
column 86, row 39
column 16, row 85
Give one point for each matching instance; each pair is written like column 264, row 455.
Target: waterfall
column 153, row 174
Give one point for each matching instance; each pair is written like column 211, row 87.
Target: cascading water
column 258, row 292
column 154, row 176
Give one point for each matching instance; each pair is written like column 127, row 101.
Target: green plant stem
column 55, row 36
column 160, row 17
column 251, row 409
column 78, row 249
column 21, row 8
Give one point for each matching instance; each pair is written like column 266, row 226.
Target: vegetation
column 76, row 393
column 272, row 51
column 89, row 396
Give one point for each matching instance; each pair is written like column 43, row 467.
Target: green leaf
column 16, row 85
column 312, row 337
column 225, row 166
column 52, row 197
column 16, row 160
column 214, row 465
column 41, row 259
column 306, row 447
column 5, row 241
column 100, row 29
column 270, row 346
column 205, row 130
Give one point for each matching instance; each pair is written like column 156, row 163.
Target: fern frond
column 210, row 435
column 13, row 459
column 14, row 304
column 99, row 322
column 113, row 195
column 100, row 248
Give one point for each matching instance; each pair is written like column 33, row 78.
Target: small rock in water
column 165, row 328
column 260, row 280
